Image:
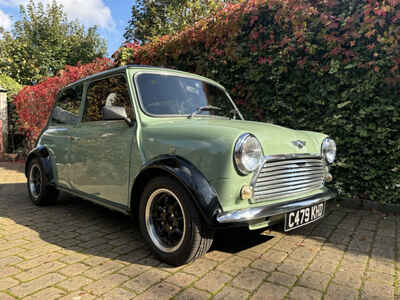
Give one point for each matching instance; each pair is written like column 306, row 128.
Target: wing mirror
column 115, row 113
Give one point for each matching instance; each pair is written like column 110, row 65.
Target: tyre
column 38, row 186
column 171, row 224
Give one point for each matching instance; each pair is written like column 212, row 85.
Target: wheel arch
column 203, row 195
column 43, row 154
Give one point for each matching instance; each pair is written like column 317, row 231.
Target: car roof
column 121, row 69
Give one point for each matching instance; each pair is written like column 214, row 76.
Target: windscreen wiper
column 203, row 108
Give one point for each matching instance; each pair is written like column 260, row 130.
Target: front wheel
column 171, row 224
column 40, row 192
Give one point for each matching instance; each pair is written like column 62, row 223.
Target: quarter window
column 109, row 91
column 66, row 110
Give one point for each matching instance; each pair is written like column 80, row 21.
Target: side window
column 66, row 110
column 112, row 91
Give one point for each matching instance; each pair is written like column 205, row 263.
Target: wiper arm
column 203, row 108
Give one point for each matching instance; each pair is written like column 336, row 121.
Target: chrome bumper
column 269, row 210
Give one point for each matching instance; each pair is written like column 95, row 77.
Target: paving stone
column 48, row 294
column 275, row 256
column 79, row 295
column 249, row 279
column 145, row 280
column 133, row 270
column 377, row 276
column 282, row 278
column 264, row 265
column 300, row 293
column 39, row 271
column 302, row 254
column 8, row 271
column 119, row 293
column 270, row 291
column 160, row 291
column 294, row 267
column 36, row 284
column 9, row 261
column 377, row 290
column 231, row 293
column 350, row 278
column 181, row 279
column 214, row 281
column 193, row 294
column 32, row 263
column 75, row 283
column 324, row 266
column 73, row 258
column 200, row 267
column 339, row 292
column 103, row 269
column 105, row 284
column 218, row 255
column 381, row 266
column 4, row 296
column 233, row 265
column 314, row 280
column 74, row 269
column 6, row 283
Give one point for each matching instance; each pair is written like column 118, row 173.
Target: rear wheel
column 171, row 224
column 40, row 192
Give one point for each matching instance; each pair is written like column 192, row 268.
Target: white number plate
column 304, row 216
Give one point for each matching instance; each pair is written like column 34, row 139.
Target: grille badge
column 299, row 144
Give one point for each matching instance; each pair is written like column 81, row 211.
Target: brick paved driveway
column 76, row 250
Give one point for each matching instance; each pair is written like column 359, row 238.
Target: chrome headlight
column 328, row 150
column 248, row 153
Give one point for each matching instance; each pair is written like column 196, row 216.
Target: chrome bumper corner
column 269, row 210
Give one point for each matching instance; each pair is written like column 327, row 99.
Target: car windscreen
column 174, row 95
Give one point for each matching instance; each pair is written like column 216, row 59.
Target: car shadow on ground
column 75, row 224
column 79, row 225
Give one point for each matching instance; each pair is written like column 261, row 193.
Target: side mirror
column 115, row 113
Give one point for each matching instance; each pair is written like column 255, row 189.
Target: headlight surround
column 328, row 150
column 248, row 153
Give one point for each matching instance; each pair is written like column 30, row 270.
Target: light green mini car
column 171, row 149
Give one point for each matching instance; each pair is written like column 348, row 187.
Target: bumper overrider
column 262, row 212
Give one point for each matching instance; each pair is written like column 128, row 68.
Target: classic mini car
column 172, row 149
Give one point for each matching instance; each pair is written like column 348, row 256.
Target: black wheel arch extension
column 204, row 196
column 43, row 154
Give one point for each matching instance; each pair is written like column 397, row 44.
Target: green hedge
column 327, row 66
column 15, row 136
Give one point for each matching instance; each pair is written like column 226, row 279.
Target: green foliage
column 9, row 84
column 12, row 87
column 44, row 41
column 330, row 66
column 152, row 19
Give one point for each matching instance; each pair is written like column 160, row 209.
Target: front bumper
column 261, row 212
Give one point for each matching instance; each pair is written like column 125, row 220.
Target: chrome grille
column 283, row 176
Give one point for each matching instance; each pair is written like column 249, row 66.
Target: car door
column 64, row 119
column 100, row 149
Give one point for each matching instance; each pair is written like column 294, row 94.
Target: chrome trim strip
column 268, row 194
column 283, row 181
column 276, row 167
column 266, row 173
column 261, row 212
column 269, row 186
column 293, row 175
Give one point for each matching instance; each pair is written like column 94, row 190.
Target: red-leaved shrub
column 34, row 103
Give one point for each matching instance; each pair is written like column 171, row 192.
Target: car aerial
column 172, row 149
